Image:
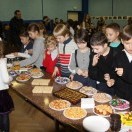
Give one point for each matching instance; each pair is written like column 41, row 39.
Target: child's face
column 128, row 45
column 50, row 48
column 24, row 40
column 111, row 35
column 61, row 39
column 32, row 34
column 99, row 49
column 82, row 45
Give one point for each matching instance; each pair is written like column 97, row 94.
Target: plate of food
column 126, row 119
column 103, row 110
column 37, row 75
column 119, row 104
column 102, row 97
column 35, row 70
column 59, row 105
column 28, row 67
column 88, row 90
column 74, row 113
column 10, row 56
column 62, row 80
column 74, row 85
column 23, row 77
column 96, row 124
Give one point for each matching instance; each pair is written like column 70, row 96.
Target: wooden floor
column 26, row 118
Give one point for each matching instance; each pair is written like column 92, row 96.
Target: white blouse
column 4, row 76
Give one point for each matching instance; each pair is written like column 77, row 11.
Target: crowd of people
column 98, row 58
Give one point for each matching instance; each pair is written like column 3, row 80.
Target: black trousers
column 4, row 122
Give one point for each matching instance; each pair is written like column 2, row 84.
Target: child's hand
column 95, row 59
column 119, row 71
column 15, row 53
column 56, row 71
column 79, row 72
column 30, row 51
column 85, row 73
column 110, row 82
column 106, row 76
column 71, row 77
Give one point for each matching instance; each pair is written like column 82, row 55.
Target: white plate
column 62, row 80
column 10, row 56
column 68, row 105
column 119, row 108
column 102, row 101
column 37, row 76
column 96, row 124
column 80, row 85
column 87, row 90
column 22, row 80
column 100, row 114
column 75, row 118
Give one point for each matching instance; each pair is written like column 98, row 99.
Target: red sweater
column 48, row 63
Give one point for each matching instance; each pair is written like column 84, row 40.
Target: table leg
column 56, row 125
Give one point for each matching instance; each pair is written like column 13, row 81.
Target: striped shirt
column 65, row 51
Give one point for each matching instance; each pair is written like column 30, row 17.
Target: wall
column 32, row 9
column 104, row 8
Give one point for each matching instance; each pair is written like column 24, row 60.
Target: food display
column 74, row 85
column 23, row 77
column 16, row 67
column 71, row 95
column 103, row 110
column 40, row 82
column 88, row 90
column 37, row 75
column 119, row 104
column 35, row 70
column 75, row 113
column 102, row 97
column 62, row 80
column 126, row 118
column 59, row 105
column 42, row 89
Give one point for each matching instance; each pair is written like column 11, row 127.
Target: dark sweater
column 123, row 83
column 104, row 65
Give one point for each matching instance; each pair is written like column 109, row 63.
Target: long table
column 41, row 101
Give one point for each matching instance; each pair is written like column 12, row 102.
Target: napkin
column 87, row 103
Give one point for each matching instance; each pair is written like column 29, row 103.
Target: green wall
column 105, row 8
column 32, row 9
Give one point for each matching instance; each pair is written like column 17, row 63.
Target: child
column 66, row 47
column 38, row 47
column 123, row 66
column 6, row 103
column 51, row 54
column 112, row 33
column 27, row 48
column 101, row 60
column 80, row 59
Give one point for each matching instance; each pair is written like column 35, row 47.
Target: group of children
column 106, row 65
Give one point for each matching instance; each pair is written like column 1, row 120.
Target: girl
column 38, row 47
column 27, row 48
column 123, row 66
column 6, row 103
column 66, row 47
column 80, row 60
column 51, row 54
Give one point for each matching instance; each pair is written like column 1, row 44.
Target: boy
column 112, row 34
column 123, row 66
column 101, row 60
column 66, row 46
